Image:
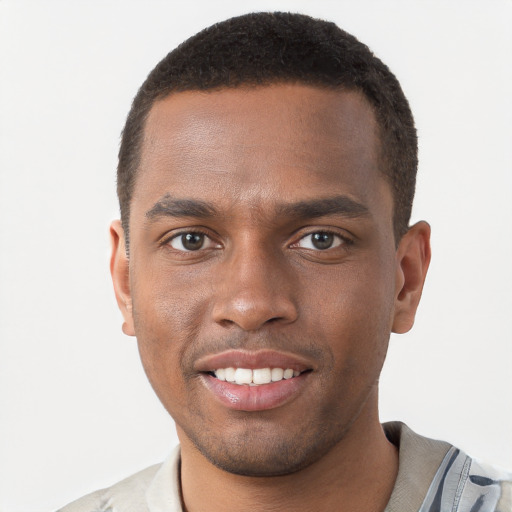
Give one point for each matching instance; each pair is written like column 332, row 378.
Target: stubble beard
column 264, row 449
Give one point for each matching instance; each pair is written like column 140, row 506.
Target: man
column 263, row 257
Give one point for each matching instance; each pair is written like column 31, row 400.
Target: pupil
column 192, row 241
column 322, row 240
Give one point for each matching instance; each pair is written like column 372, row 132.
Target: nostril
column 226, row 323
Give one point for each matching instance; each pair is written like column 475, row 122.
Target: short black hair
column 263, row 48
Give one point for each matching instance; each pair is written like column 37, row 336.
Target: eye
column 320, row 241
column 191, row 241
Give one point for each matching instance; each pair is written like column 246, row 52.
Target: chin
column 265, row 455
column 261, row 465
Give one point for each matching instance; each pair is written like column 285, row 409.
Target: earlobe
column 412, row 261
column 120, row 271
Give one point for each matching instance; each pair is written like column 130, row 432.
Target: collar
column 419, row 460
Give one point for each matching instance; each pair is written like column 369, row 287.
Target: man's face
column 261, row 238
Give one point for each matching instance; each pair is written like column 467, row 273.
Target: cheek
column 355, row 314
column 167, row 311
column 166, row 302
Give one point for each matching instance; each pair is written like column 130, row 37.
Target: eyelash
column 175, row 235
column 344, row 240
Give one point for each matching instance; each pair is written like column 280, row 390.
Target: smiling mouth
column 254, row 381
column 254, row 377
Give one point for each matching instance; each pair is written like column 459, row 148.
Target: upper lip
column 252, row 360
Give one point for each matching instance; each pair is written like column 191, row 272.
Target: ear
column 120, row 271
column 412, row 261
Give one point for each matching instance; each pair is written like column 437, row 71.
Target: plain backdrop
column 76, row 411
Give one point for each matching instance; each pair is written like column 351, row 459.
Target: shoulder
column 465, row 484
column 154, row 488
column 434, row 476
column 125, row 496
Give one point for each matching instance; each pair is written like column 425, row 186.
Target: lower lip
column 255, row 398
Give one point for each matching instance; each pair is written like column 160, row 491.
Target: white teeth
column 254, row 377
column 261, row 376
column 230, row 374
column 243, row 376
column 277, row 374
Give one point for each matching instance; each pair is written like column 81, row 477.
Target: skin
column 258, row 282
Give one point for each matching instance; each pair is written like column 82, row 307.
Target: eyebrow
column 337, row 205
column 168, row 206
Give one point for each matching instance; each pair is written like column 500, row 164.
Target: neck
column 356, row 474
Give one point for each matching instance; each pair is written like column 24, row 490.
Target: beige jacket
column 433, row 476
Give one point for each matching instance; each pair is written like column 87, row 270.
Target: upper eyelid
column 174, row 233
column 167, row 240
column 340, row 232
column 299, row 234
column 345, row 240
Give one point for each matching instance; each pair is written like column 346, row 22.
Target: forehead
column 286, row 140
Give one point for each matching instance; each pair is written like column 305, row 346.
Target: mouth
column 256, row 377
column 254, row 381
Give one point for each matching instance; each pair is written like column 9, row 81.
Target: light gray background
column 76, row 410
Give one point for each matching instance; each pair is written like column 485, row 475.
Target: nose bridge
column 254, row 286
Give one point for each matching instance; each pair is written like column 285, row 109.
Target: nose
column 254, row 288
